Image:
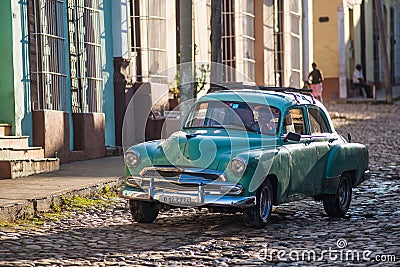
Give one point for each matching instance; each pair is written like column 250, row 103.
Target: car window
column 294, row 121
column 266, row 119
column 200, row 115
column 254, row 117
column 317, row 121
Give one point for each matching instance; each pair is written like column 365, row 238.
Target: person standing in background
column 316, row 78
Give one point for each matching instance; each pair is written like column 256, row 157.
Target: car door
column 324, row 140
column 302, row 155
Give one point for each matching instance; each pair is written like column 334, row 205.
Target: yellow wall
column 326, row 37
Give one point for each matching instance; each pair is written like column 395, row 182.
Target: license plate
column 175, row 200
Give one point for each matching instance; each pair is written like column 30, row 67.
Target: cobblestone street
column 106, row 235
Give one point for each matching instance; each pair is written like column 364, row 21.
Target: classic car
column 246, row 150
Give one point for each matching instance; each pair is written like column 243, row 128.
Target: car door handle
column 309, row 141
column 332, row 140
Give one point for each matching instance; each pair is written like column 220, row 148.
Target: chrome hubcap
column 343, row 192
column 265, row 204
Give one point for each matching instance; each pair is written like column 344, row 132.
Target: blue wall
column 68, row 79
column 26, row 122
column 7, row 112
column 108, row 72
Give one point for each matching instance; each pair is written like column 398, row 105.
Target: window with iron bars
column 148, row 43
column 246, row 15
column 228, row 39
column 269, row 43
column 295, row 36
column 288, row 43
column 47, row 54
column 279, row 53
column 85, row 55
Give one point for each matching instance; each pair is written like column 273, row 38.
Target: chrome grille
column 177, row 173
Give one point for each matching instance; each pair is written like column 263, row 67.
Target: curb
column 31, row 207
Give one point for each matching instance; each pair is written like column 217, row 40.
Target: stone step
column 21, row 153
column 10, row 169
column 14, row 141
column 5, row 129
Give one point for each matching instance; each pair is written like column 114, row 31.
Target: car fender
column 346, row 157
column 146, row 151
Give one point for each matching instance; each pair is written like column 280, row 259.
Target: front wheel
column 143, row 211
column 259, row 215
column 338, row 204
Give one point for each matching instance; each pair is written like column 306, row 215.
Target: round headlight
column 132, row 159
column 237, row 166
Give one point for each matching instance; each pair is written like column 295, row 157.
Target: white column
column 120, row 19
column 397, row 38
column 19, row 94
column 171, row 33
column 342, row 52
column 287, row 47
column 239, row 41
column 307, row 32
column 202, row 30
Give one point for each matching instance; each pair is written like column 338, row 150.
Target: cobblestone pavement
column 106, row 236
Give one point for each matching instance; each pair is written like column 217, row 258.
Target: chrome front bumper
column 197, row 192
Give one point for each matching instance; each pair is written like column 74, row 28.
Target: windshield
column 259, row 118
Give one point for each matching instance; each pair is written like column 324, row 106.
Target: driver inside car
column 266, row 123
column 288, row 125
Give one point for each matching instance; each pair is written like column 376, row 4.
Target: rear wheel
column 143, row 211
column 259, row 215
column 338, row 204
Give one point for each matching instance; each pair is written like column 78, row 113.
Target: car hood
column 210, row 148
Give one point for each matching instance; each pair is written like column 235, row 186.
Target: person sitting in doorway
column 359, row 82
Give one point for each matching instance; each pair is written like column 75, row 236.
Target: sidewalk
column 26, row 195
column 380, row 95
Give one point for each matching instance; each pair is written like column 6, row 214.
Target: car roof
column 279, row 99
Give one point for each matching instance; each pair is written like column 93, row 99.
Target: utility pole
column 216, row 40
column 382, row 40
column 186, row 59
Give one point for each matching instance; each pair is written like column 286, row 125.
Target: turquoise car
column 246, row 150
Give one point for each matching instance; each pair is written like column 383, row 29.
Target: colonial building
column 346, row 34
column 57, row 76
column 263, row 42
column 266, row 41
column 70, row 67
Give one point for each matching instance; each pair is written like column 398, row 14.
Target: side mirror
column 292, row 136
column 349, row 137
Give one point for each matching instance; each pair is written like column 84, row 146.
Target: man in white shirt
column 359, row 82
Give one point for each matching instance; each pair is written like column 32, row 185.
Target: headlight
column 237, row 166
column 132, row 159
